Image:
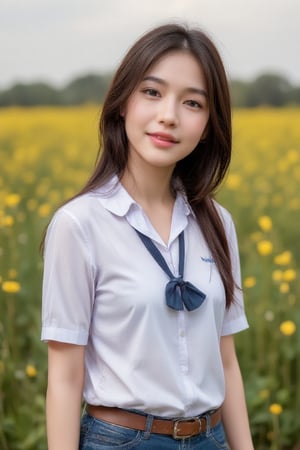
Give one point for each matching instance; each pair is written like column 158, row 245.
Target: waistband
column 178, row 428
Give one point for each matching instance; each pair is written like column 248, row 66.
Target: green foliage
column 239, row 91
column 294, row 96
column 86, row 89
column 266, row 90
column 30, row 95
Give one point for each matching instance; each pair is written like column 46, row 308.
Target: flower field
column 45, row 157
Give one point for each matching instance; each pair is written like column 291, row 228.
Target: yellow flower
column 12, row 199
column 11, row 287
column 288, row 327
column 8, row 221
column 284, row 288
column 264, row 247
column 249, row 282
column 31, row 371
column 44, row 210
column 275, row 409
column 283, row 259
column 233, row 181
column 265, row 223
column 277, row 275
column 289, row 275
column 292, row 155
column 54, row 196
column 294, row 204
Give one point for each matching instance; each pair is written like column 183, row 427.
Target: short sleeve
column 68, row 282
column 235, row 318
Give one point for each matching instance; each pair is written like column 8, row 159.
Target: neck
column 150, row 186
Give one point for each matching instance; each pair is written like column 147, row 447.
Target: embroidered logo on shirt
column 208, row 259
column 211, row 261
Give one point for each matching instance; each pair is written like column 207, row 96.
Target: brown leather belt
column 179, row 429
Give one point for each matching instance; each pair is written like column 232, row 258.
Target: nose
column 167, row 112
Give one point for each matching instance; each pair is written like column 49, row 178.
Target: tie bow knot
column 179, row 281
column 179, row 293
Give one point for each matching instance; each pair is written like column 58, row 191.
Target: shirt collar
column 114, row 198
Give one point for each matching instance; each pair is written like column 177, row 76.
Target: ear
column 123, row 112
column 205, row 133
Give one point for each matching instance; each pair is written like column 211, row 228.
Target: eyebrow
column 192, row 90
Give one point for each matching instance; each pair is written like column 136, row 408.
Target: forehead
column 178, row 65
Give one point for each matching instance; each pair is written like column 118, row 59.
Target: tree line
column 268, row 89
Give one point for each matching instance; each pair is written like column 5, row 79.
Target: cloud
column 58, row 39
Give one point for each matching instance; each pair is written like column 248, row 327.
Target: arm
column 64, row 395
column 234, row 410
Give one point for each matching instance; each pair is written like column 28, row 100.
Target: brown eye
column 193, row 104
column 151, row 92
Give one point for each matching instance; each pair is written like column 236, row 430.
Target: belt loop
column 207, row 418
column 148, row 426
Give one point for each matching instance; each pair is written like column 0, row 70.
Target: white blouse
column 102, row 289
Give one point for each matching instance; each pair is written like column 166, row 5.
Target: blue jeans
column 99, row 435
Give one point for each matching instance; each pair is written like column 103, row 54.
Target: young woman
column 141, row 292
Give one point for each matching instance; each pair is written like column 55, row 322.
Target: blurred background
column 57, row 59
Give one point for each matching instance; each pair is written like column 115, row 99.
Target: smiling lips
column 163, row 139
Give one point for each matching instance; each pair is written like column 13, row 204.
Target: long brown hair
column 204, row 169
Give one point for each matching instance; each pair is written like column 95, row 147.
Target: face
column 166, row 115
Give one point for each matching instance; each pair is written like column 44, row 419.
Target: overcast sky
column 57, row 40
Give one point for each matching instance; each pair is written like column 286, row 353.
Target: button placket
column 183, row 351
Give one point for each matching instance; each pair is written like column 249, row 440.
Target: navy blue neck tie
column 178, row 291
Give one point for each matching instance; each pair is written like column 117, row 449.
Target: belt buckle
column 186, row 419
